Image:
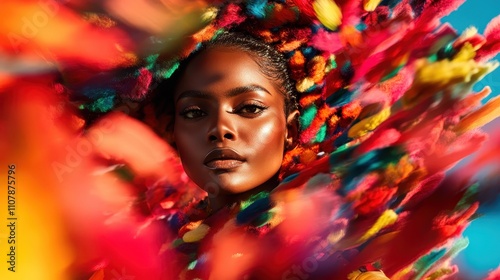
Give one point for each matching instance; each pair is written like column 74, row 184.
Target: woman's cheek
column 186, row 146
column 268, row 136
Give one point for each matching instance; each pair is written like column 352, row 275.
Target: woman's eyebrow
column 231, row 93
column 249, row 88
column 195, row 93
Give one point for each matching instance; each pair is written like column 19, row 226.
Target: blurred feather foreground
column 387, row 110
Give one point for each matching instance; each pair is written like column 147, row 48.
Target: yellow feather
column 196, row 234
column 328, row 13
column 370, row 5
column 367, row 275
column 209, row 15
column 304, row 84
column 432, row 78
column 368, row 124
column 403, row 273
column 387, row 218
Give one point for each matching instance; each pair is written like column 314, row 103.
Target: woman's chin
column 227, row 184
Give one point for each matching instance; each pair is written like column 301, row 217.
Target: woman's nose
column 222, row 128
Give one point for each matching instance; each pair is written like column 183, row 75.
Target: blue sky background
column 483, row 253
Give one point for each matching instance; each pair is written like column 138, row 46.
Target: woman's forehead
column 223, row 67
column 229, row 57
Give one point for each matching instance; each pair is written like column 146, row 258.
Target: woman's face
column 230, row 127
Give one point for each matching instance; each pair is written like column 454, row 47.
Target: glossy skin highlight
column 230, row 125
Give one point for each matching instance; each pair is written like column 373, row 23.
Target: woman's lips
column 223, row 158
column 223, row 164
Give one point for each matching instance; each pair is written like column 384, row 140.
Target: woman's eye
column 252, row 109
column 192, row 113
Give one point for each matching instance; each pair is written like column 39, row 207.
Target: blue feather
column 254, row 210
column 257, row 8
column 341, row 97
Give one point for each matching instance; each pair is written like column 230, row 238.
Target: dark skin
column 230, row 128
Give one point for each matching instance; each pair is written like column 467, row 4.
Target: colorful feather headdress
column 387, row 109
